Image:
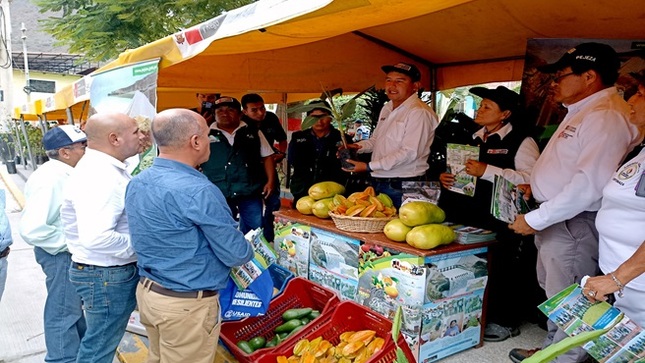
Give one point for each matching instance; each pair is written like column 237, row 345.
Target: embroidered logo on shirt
column 498, row 151
column 626, row 172
column 212, row 138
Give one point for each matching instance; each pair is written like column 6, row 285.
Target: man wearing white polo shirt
column 103, row 268
column 569, row 176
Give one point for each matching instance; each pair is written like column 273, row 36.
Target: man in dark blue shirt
column 186, row 242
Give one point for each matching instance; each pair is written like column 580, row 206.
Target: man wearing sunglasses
column 568, row 178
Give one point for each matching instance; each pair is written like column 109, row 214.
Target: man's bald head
column 115, row 134
column 181, row 135
column 173, row 128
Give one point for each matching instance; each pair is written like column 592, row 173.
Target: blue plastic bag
column 252, row 301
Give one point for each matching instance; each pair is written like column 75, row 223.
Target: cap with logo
column 408, row 69
column 597, row 56
column 62, row 136
column 502, row 96
column 227, row 101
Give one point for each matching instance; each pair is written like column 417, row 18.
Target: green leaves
column 102, row 29
column 549, row 353
column 396, row 329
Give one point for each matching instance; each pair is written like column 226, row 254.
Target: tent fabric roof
column 343, row 43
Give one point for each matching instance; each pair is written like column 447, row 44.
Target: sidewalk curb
column 13, row 188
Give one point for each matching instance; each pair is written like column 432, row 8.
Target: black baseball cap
column 227, row 101
column 502, row 96
column 597, row 56
column 408, row 69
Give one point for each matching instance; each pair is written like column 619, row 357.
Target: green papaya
column 304, row 204
column 417, row 213
column 326, row 189
column 321, row 208
column 429, row 236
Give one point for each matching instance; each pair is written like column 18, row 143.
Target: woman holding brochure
column 505, row 149
column 620, row 223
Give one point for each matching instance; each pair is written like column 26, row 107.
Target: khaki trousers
column 179, row 329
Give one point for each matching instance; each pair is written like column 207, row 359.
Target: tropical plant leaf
column 400, row 356
column 396, row 323
column 348, row 109
column 308, row 122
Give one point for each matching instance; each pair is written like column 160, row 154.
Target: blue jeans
column 250, row 210
column 4, row 265
column 108, row 295
column 271, row 204
column 63, row 318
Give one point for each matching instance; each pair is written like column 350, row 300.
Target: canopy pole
column 70, row 116
column 24, row 133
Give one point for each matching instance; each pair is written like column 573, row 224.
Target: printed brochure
column 456, row 157
column 508, row 200
column 573, row 313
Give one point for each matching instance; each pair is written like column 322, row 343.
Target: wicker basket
column 360, row 224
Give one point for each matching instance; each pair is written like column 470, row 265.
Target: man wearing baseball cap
column 240, row 163
column 569, row 176
column 400, row 144
column 41, row 227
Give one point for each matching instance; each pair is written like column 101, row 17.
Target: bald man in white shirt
column 103, row 268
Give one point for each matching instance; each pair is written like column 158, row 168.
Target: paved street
column 21, row 308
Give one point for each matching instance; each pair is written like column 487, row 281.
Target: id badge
column 640, row 187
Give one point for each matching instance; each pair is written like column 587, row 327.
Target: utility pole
column 27, row 90
column 27, row 87
column 6, row 66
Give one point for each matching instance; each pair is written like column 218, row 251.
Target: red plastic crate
column 348, row 316
column 299, row 293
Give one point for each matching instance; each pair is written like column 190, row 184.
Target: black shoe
column 518, row 354
column 497, row 333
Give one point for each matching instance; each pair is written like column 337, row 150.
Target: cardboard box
column 389, row 278
column 333, row 262
column 291, row 243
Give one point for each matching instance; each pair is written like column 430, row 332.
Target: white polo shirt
column 580, row 158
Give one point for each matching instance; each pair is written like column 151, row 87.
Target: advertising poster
column 535, row 84
column 130, row 89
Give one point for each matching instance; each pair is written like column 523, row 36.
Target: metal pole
column 27, row 88
column 31, row 155
column 6, row 72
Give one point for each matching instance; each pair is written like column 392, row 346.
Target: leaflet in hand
column 456, row 157
column 508, row 201
column 244, row 275
column 573, row 313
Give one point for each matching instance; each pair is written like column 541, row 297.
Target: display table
column 442, row 292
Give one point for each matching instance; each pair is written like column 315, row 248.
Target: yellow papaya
column 326, row 189
column 429, row 236
column 322, row 207
column 417, row 213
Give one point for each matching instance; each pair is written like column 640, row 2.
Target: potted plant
column 340, row 114
column 35, row 140
column 8, row 152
